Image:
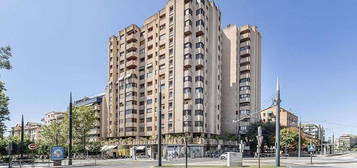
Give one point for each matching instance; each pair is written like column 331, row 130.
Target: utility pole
column 333, row 143
column 159, row 128
column 277, row 126
column 299, row 145
column 321, row 140
column 22, row 137
column 70, row 131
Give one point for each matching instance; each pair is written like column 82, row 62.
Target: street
column 348, row 160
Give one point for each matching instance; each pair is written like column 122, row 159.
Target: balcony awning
column 140, row 147
column 107, row 148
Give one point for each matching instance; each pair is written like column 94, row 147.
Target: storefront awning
column 140, row 147
column 107, row 148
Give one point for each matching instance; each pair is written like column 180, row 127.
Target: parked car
column 223, row 156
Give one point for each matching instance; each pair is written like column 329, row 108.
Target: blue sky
column 61, row 46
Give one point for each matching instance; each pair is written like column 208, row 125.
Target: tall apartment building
column 182, row 52
column 241, row 77
column 96, row 102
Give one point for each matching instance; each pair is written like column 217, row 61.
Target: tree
column 54, row 133
column 83, row 121
column 4, row 109
column 289, row 139
column 5, row 54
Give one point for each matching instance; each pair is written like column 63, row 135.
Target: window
column 162, row 37
column 244, row 88
column 200, row 22
column 149, row 119
column 131, row 85
column 188, row 12
column 242, row 96
column 188, row 45
column 200, row 45
column 199, row 56
column 246, row 112
column 149, row 110
column 199, row 123
column 130, row 111
column 148, row 128
column 131, row 94
column 131, row 102
column 244, row 80
column 186, row 90
column 200, row 1
column 198, row 112
column 199, row 78
column 162, row 27
column 187, row 123
column 200, row 11
column 186, row 112
column 187, row 78
column 188, row 23
column 199, row 101
column 161, row 67
column 244, row 104
column 141, row 77
column 244, row 48
column 199, row 90
column 130, row 129
column 187, row 56
column 149, row 101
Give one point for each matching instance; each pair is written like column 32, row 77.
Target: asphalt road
column 340, row 161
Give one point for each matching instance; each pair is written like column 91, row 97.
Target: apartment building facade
column 53, row 116
column 287, row 118
column 96, row 102
column 241, row 77
column 31, row 130
column 206, row 76
column 313, row 130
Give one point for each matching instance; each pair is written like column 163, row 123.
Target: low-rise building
column 313, row 130
column 347, row 141
column 96, row 103
column 31, row 130
column 53, row 116
column 287, row 119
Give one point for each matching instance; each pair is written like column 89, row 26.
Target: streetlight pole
column 277, row 126
column 22, row 137
column 299, row 145
column 159, row 128
column 70, row 131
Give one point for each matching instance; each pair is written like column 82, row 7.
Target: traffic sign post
column 57, row 155
column 32, row 146
column 260, row 141
column 311, row 149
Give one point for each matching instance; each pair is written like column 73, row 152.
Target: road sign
column 32, row 146
column 311, row 148
column 57, row 153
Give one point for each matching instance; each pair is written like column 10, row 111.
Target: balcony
column 187, row 107
column 188, row 30
column 187, row 96
column 199, row 129
column 199, row 117
column 244, row 99
column 245, row 75
column 199, row 95
column 187, row 51
column 199, row 106
column 244, row 37
column 187, row 84
column 244, row 60
column 188, row 17
column 187, row 129
column 188, row 39
column 244, row 92
column 200, row 29
column 131, row 47
column 199, row 84
column 131, row 55
column 131, row 38
column 187, row 63
column 200, row 62
column 246, row 43
column 201, row 39
column 200, row 73
column 187, row 73
column 245, row 52
column 131, row 64
column 244, row 68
